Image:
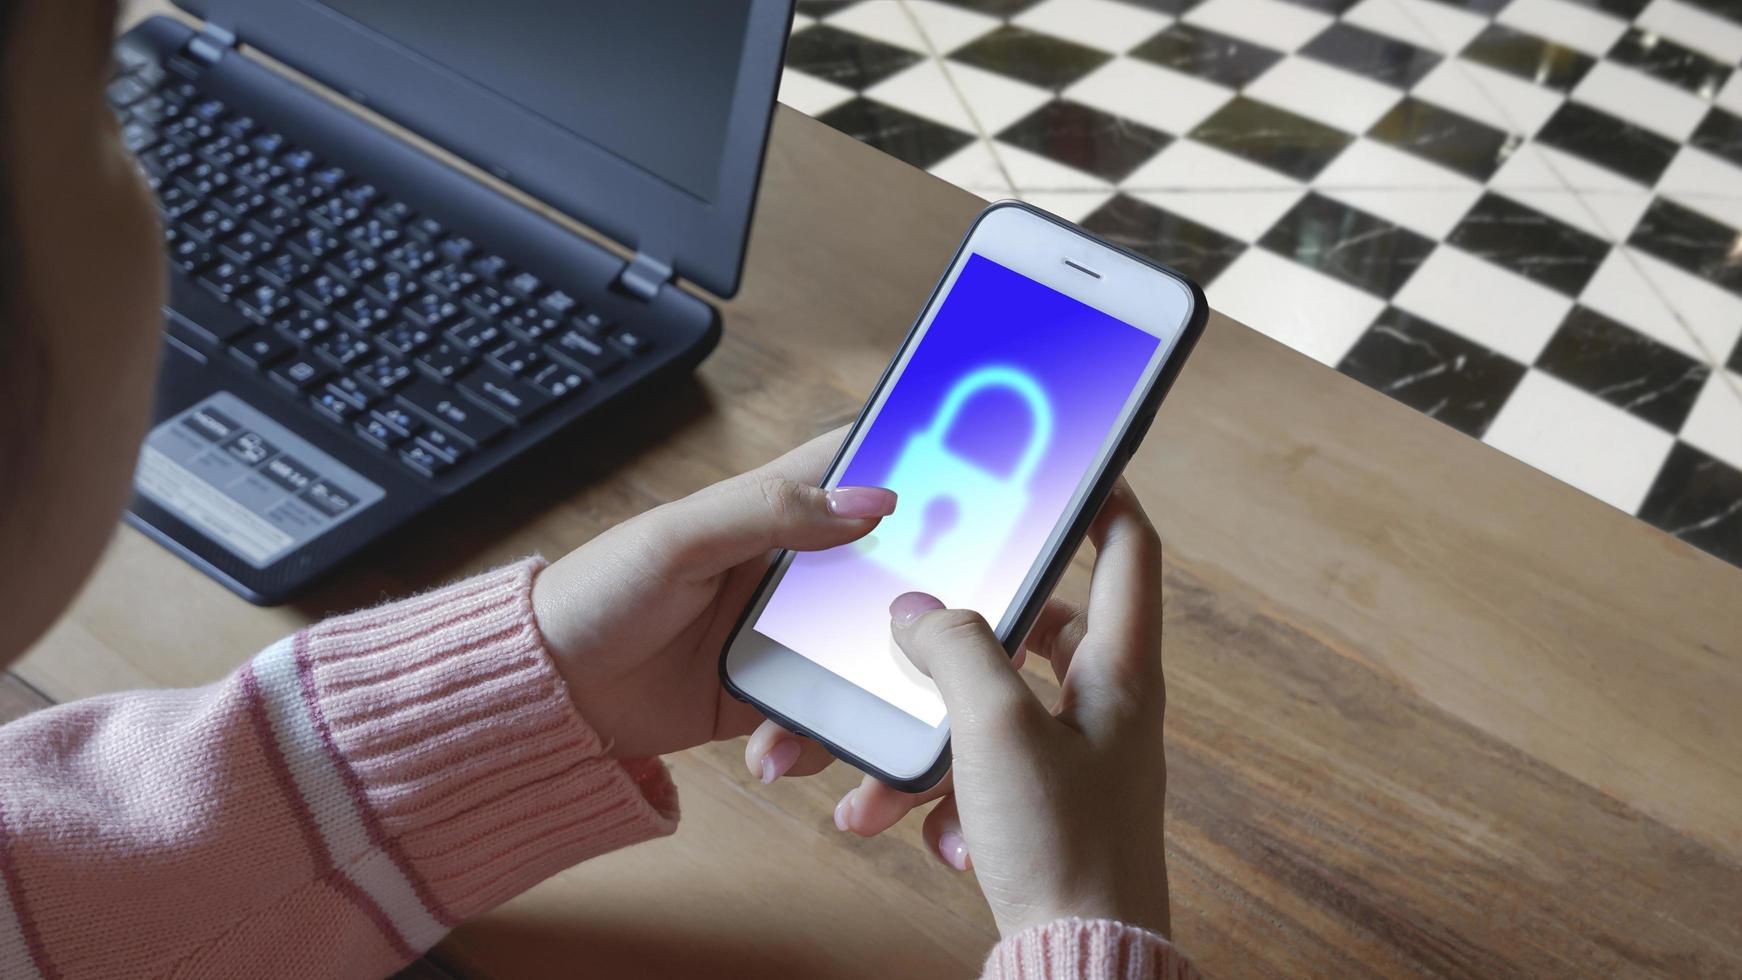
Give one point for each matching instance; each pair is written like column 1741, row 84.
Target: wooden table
column 1431, row 710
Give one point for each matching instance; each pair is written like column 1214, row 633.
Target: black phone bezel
column 1060, row 558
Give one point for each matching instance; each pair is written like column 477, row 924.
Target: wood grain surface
column 1431, row 711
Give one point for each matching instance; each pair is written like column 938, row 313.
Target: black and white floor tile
column 1521, row 217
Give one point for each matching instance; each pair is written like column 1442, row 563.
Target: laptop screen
column 653, row 90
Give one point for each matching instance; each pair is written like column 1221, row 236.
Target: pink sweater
column 337, row 804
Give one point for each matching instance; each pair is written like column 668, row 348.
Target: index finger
column 1125, row 610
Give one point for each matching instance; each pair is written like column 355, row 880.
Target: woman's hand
column 636, row 618
column 1058, row 813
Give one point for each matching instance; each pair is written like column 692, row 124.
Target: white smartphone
column 1026, row 383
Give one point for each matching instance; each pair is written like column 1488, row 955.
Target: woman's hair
column 23, row 355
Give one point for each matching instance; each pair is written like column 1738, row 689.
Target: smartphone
column 1028, row 380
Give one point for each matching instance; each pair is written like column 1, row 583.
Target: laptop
column 357, row 331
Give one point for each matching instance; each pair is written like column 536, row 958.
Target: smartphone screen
column 987, row 435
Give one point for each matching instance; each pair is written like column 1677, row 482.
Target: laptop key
column 516, row 357
column 491, row 302
column 343, row 348
column 442, row 444
column 226, row 280
column 404, row 338
column 383, row 373
column 284, row 270
column 353, row 391
column 300, row 373
column 397, row 419
column 323, row 292
column 262, row 303
column 440, row 405
column 424, row 460
column 333, row 406
column 492, row 386
column 377, row 433
column 432, row 311
column 526, row 286
column 260, row 348
column 445, row 360
column 585, row 352
column 632, row 341
column 556, row 380
column 305, row 326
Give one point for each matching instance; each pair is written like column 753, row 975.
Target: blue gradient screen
column 986, row 437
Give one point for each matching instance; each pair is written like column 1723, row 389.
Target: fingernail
column 861, row 502
column 909, row 606
column 844, row 810
column 953, row 850
column 779, row 759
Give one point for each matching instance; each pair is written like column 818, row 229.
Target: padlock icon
column 983, row 507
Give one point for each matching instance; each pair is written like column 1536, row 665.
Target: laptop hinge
column 210, row 43
column 644, row 275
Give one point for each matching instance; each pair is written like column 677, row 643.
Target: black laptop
column 357, row 330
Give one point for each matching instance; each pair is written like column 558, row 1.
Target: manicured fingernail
column 953, row 850
column 779, row 759
column 861, row 502
column 844, row 810
column 909, row 606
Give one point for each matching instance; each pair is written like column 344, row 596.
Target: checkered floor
column 1517, row 216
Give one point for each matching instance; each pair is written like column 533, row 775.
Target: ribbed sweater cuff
column 459, row 735
column 1087, row 949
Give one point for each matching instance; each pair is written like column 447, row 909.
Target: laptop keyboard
column 419, row 341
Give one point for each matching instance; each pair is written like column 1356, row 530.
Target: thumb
column 733, row 522
column 956, row 649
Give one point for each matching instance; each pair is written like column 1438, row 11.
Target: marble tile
column 1529, row 57
column 1312, row 313
column 1735, row 361
column 1505, row 102
column 1587, row 197
column 1720, row 134
column 1559, row 429
column 1175, row 241
column 1608, row 142
column 924, row 90
column 844, row 58
column 809, row 94
column 1206, row 54
column 1088, row 139
column 1638, row 98
column 1625, row 368
column 1371, row 55
column 1498, row 309
column 1698, row 499
column 995, row 100
column 947, row 27
column 1715, row 424
column 1730, row 96
column 822, row 8
column 1105, row 24
column 1150, row 94
column 1031, row 173
column 1692, row 242
column 974, row 168
column 1713, row 316
column 1530, row 243
column 1708, row 184
column 1394, row 185
column 1624, row 9
column 1581, row 28
column 1621, row 292
column 1366, row 252
column 1320, row 92
column 1487, row 8
column 1424, row 23
column 884, row 21
column 1272, row 137
column 1037, row 59
column 1214, row 188
column 1717, row 37
column 1668, row 61
column 1447, row 138
column 994, row 8
column 1173, row 8
column 1433, row 370
column 1272, row 23
column 900, row 134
